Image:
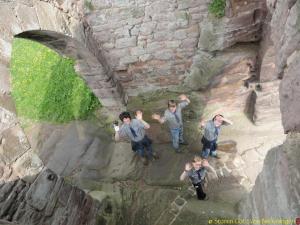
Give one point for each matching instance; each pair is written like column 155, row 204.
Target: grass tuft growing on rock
column 45, row 85
column 217, row 8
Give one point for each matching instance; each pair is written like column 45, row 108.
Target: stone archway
column 64, row 32
column 87, row 65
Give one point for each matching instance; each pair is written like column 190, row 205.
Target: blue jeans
column 140, row 147
column 209, row 148
column 177, row 137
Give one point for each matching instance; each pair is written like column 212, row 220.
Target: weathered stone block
column 126, row 42
column 154, row 46
column 193, row 31
column 166, row 25
column 40, row 191
column 145, row 57
column 8, row 17
column 185, row 4
column 108, row 45
column 137, row 51
column 122, row 32
column 164, row 54
column 190, row 43
column 28, row 17
column 4, row 79
column 147, row 28
column 162, row 35
column 14, row 143
column 129, row 60
column 182, row 19
column 118, row 53
column 44, row 12
column 172, row 44
column 7, row 119
column 180, row 34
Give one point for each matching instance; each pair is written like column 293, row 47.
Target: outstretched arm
column 209, row 167
column 139, row 116
column 184, row 98
column 184, row 174
column 227, row 121
column 158, row 118
column 202, row 123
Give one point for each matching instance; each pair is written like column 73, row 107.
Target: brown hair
column 214, row 118
column 171, row 103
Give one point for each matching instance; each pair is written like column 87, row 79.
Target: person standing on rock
column 210, row 136
column 134, row 129
column 196, row 171
column 173, row 117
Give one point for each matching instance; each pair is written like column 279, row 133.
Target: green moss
column 45, row 85
column 88, row 4
column 217, row 8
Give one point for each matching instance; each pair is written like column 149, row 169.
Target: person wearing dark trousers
column 173, row 116
column 212, row 130
column 134, row 129
column 196, row 171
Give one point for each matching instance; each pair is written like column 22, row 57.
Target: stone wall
column 285, row 23
column 48, row 199
column 276, row 191
column 30, row 193
column 156, row 42
column 58, row 25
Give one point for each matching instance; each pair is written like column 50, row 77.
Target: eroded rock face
column 276, row 191
column 286, row 38
column 49, row 200
column 290, row 94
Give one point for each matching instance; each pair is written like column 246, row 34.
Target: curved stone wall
column 47, row 23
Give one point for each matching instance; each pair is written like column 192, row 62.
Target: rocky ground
column 85, row 155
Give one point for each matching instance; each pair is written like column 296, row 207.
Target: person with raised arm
column 211, row 133
column 134, row 129
column 173, row 117
column 196, row 172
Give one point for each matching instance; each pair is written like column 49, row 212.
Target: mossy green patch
column 88, row 4
column 45, row 85
column 217, row 8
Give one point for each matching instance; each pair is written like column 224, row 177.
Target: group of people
column 134, row 129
